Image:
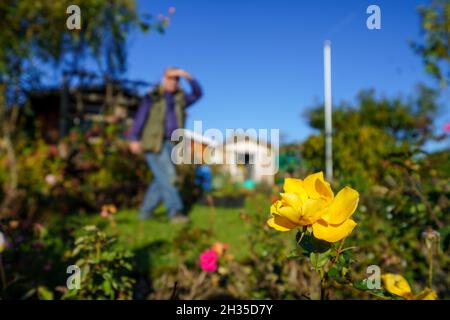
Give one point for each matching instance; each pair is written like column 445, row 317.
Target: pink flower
column 53, row 150
column 172, row 10
column 108, row 210
column 447, row 127
column 104, row 214
column 50, row 179
column 208, row 261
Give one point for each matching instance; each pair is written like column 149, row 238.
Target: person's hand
column 135, row 147
column 180, row 73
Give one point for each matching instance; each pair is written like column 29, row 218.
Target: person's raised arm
column 195, row 94
column 196, row 90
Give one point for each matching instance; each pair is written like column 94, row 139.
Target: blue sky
column 260, row 63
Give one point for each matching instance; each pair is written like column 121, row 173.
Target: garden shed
column 83, row 99
column 246, row 160
column 249, row 160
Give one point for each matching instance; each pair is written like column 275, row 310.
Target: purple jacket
column 171, row 119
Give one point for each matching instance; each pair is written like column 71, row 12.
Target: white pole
column 328, row 123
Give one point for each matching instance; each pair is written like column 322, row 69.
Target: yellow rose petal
column 296, row 186
column 324, row 190
column 342, row 206
column 312, row 210
column 333, row 233
column 289, row 213
column 291, row 185
column 292, row 200
column 278, row 209
column 396, row 284
column 275, row 206
column 426, row 294
column 310, row 184
column 280, row 223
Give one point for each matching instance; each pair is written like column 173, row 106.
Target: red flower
column 208, row 261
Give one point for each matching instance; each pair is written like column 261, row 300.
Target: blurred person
column 204, row 185
column 203, row 181
column 160, row 113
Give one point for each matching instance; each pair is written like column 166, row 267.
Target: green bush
column 104, row 269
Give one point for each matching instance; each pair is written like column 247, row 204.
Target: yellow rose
column 398, row 285
column 312, row 202
column 426, row 294
column 219, row 248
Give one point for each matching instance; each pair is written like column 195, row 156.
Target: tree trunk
column 7, row 126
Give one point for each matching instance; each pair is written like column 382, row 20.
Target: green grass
column 152, row 240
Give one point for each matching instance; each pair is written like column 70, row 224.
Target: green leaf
column 333, row 272
column 107, row 287
column 318, row 260
column 145, row 27
column 310, row 244
column 45, row 294
column 361, row 285
column 385, row 295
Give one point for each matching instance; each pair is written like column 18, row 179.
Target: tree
column 434, row 49
column 371, row 131
column 34, row 37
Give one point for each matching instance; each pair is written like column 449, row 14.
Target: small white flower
column 431, row 237
column 2, row 242
column 50, row 179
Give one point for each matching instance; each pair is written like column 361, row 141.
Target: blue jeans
column 162, row 186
